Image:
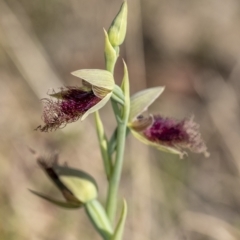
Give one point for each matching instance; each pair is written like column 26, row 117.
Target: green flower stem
column 115, row 179
column 121, row 137
column 103, row 143
column 116, row 111
column 117, row 33
column 112, row 143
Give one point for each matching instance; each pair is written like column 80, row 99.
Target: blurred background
column 191, row 47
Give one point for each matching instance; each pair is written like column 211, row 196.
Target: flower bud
column 81, row 184
column 76, row 186
column 117, row 30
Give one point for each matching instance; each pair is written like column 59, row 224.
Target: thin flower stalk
column 121, row 138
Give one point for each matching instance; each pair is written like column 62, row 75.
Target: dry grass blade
column 26, row 52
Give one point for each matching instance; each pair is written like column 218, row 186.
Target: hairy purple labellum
column 166, row 130
column 71, row 104
column 176, row 134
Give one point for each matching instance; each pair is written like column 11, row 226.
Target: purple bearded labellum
column 71, row 104
column 169, row 134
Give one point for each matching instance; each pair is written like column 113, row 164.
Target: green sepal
column 118, row 28
column 97, row 106
column 110, row 54
column 142, row 100
column 98, row 217
column 68, row 205
column 81, row 184
column 96, row 77
column 118, row 233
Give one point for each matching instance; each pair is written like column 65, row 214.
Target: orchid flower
column 166, row 134
column 73, row 103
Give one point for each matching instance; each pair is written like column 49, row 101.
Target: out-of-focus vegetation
column 191, row 47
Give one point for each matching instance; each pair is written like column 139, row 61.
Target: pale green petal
column 160, row 147
column 100, row 92
column 97, row 106
column 96, row 77
column 73, row 172
column 142, row 100
column 83, row 189
column 69, row 205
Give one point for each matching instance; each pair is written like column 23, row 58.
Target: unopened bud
column 117, row 30
column 76, row 186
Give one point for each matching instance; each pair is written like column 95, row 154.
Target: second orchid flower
column 166, row 134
